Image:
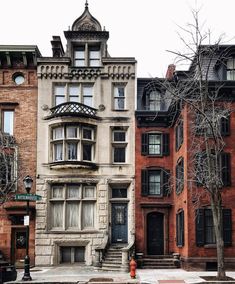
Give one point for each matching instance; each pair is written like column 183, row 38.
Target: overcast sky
column 140, row 29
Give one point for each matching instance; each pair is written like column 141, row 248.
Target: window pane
column 72, row 214
column 71, row 132
column 209, row 228
column 119, row 154
column 8, row 117
column 60, row 90
column 65, row 254
column 119, row 136
column 57, row 214
column 119, row 193
column 88, row 215
column 119, row 91
column 57, row 192
column 88, row 192
column 79, row 62
column 73, row 93
column 154, row 144
column 79, row 254
column 59, row 100
column 87, row 95
column 87, row 133
column 58, row 152
column 119, row 103
column 87, row 154
column 72, row 151
column 154, row 183
column 73, row 191
column 58, row 133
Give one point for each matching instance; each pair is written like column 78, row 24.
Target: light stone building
column 85, row 151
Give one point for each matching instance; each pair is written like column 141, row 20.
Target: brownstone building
column 171, row 227
column 18, row 120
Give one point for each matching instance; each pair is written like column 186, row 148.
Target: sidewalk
column 75, row 274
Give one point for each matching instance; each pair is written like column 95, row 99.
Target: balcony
column 72, row 109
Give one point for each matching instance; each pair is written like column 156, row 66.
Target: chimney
column 57, row 47
column 170, row 72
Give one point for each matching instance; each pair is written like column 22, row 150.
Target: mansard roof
column 86, row 22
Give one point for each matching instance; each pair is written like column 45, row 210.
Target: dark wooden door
column 119, row 223
column 155, row 234
column 18, row 246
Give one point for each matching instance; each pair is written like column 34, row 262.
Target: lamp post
column 28, row 181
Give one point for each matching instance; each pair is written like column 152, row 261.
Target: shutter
column 165, row 144
column 227, row 227
column 225, row 126
column 144, row 144
column 176, row 137
column 225, row 162
column 165, row 182
column 177, row 229
column 199, row 227
column 182, row 227
column 144, row 182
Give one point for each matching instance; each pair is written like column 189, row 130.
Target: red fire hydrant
column 133, row 268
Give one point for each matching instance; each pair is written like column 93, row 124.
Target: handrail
column 127, row 253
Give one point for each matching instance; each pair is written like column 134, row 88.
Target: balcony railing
column 72, row 109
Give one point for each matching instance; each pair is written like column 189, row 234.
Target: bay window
column 72, row 143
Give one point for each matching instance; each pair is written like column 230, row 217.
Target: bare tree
column 8, row 167
column 202, row 96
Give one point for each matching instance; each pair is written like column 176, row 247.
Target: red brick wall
column 25, row 125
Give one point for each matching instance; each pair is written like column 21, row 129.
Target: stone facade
column 100, row 162
column 18, row 97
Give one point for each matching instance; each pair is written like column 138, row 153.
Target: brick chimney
column 170, row 72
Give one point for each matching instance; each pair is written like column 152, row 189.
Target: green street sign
column 27, row 197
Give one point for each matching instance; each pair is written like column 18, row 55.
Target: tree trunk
column 218, row 226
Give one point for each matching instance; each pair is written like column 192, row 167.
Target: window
column 8, row 121
column 180, row 228
column 119, row 97
column 218, row 123
column 155, row 144
column 72, row 143
column 179, row 134
column 79, row 56
column 179, row 183
column 72, row 207
column 72, row 254
column 119, row 146
column 217, row 167
column 205, row 233
column 94, row 56
column 8, row 174
column 87, row 56
column 155, row 101
column 155, row 182
column 79, row 93
column 119, row 192
column 231, row 69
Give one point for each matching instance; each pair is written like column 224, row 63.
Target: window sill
column 72, row 164
column 73, row 231
column 212, row 246
column 121, row 110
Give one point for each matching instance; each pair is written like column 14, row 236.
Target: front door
column 155, row 235
column 119, row 223
column 19, row 246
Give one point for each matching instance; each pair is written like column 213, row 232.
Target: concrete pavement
column 82, row 274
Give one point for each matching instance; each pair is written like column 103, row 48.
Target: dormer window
column 154, row 101
column 87, row 56
column 231, row 69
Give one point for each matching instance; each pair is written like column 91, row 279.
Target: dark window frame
column 179, row 134
column 180, row 228
column 164, row 182
column 164, row 144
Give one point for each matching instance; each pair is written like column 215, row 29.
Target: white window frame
column 117, row 97
column 119, row 144
column 65, row 200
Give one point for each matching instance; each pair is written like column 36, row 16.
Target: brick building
column 18, row 123
column 85, row 149
column 168, row 217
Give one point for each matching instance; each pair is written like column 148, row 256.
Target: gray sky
column 140, row 29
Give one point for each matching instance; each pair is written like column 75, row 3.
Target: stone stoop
column 113, row 259
column 159, row 262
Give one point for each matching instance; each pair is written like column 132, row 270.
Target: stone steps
column 113, row 260
column 158, row 262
